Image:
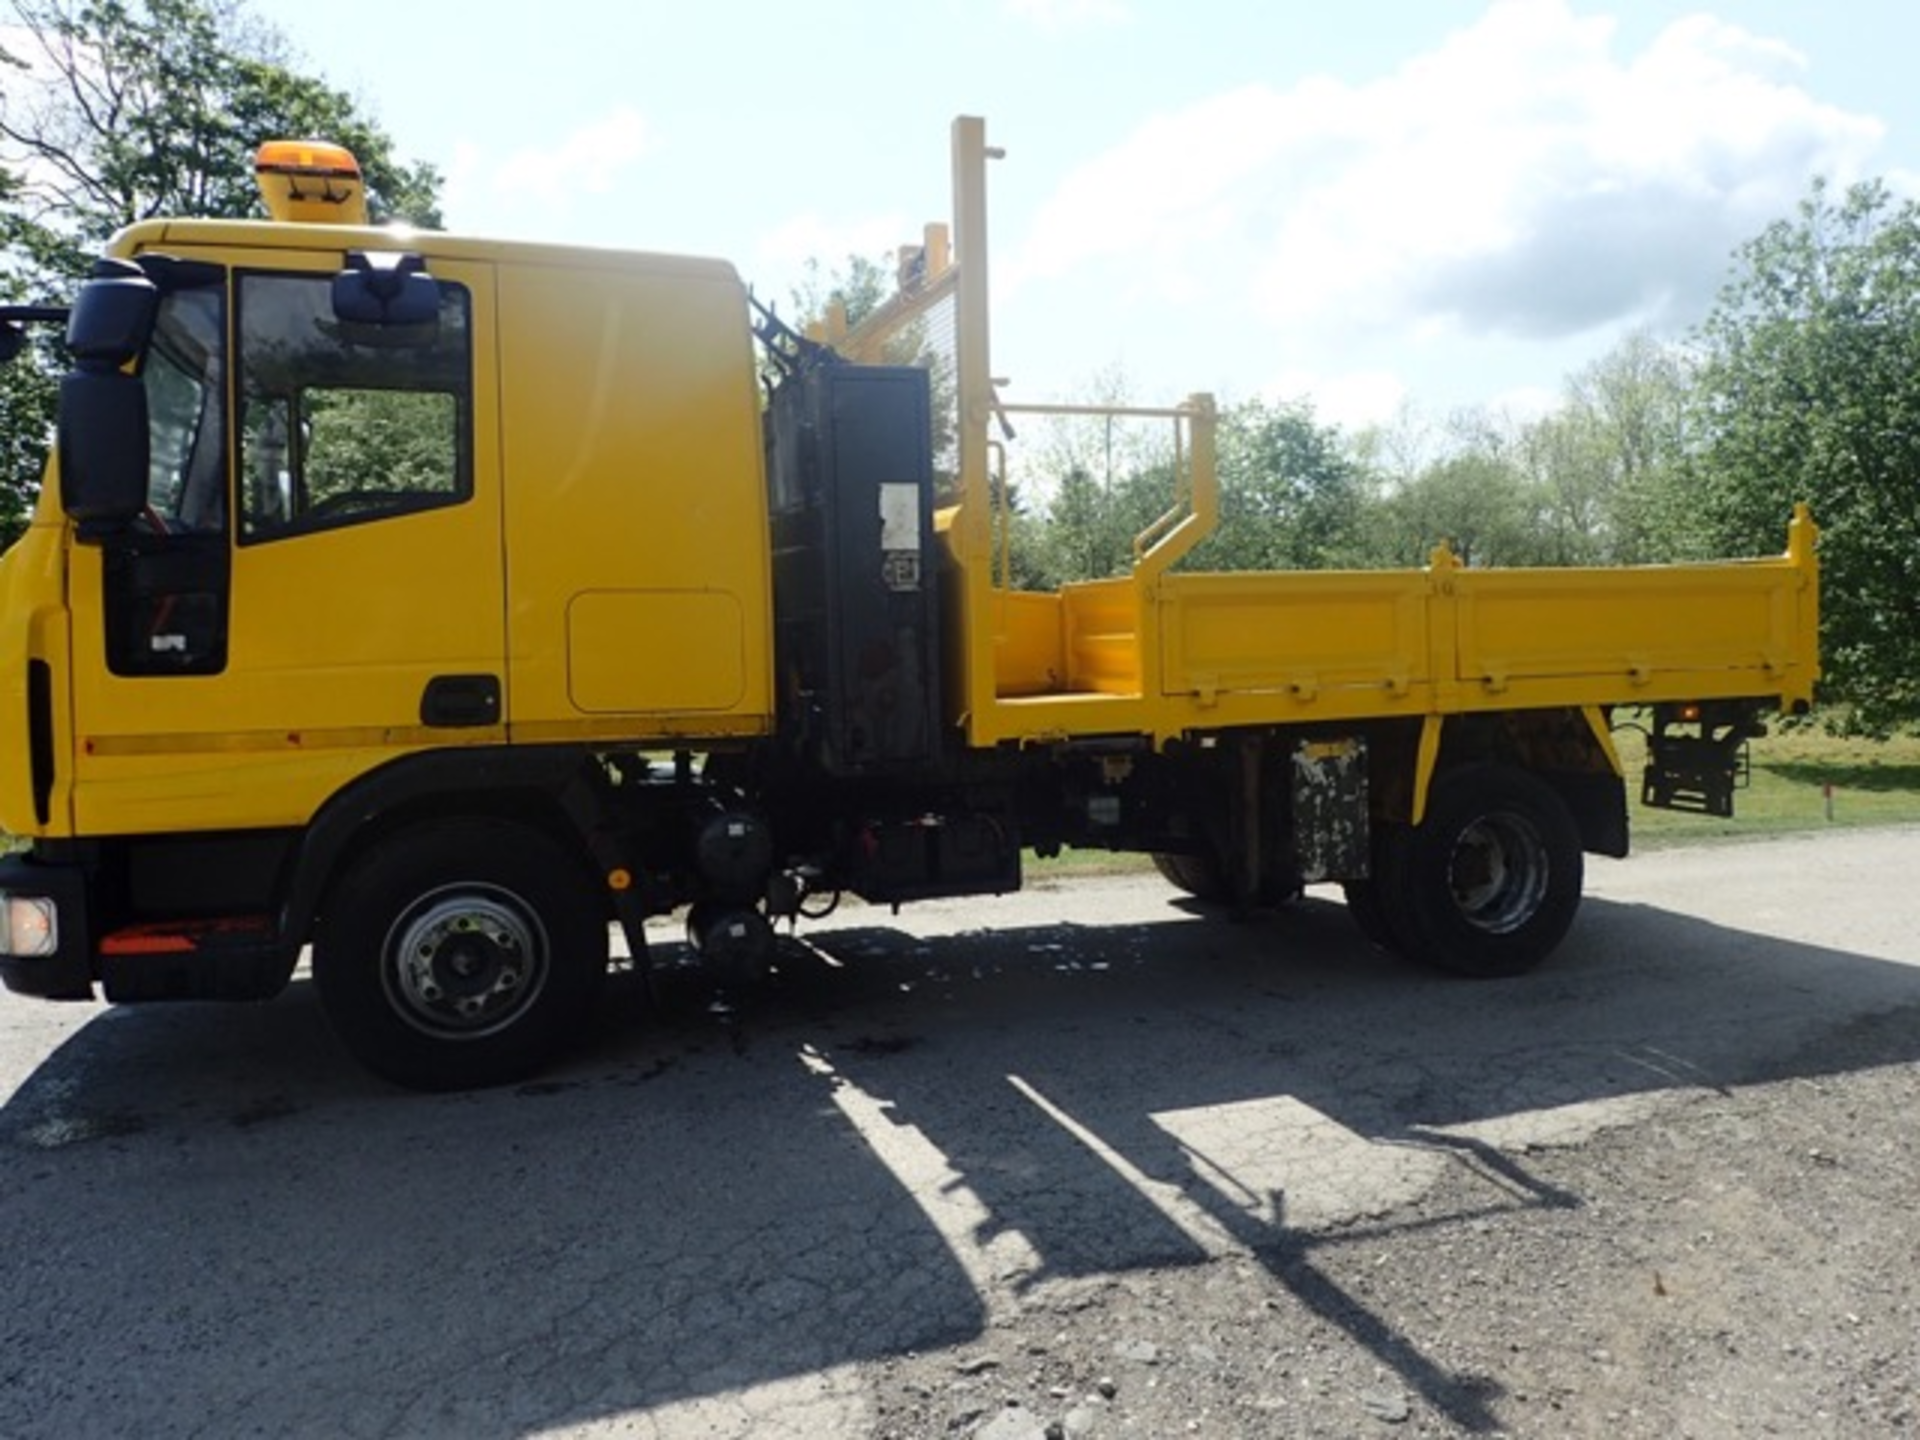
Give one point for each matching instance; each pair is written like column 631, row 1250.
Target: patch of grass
column 1800, row 780
column 1076, row 864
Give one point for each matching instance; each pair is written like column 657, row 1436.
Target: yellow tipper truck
column 438, row 603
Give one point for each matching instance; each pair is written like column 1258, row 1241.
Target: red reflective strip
column 181, row 937
column 142, row 941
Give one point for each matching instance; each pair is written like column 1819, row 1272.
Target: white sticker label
column 899, row 517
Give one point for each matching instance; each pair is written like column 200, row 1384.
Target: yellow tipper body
column 1165, row 653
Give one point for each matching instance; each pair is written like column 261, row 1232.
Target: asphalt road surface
column 729, row 1220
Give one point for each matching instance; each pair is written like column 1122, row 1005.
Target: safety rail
column 1195, row 506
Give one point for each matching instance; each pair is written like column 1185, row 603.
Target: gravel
column 1740, row 1263
column 1114, row 1166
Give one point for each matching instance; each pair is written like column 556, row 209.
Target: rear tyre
column 461, row 954
column 1202, row 877
column 1377, row 903
column 1198, row 875
column 1488, row 885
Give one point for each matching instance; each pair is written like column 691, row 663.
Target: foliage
column 26, row 384
column 26, row 409
column 1608, row 465
column 382, row 441
column 115, row 111
column 1809, row 389
column 1087, row 528
column 859, row 285
column 1476, row 501
column 1291, row 498
column 130, row 109
column 1600, row 479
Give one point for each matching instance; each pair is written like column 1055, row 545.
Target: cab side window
column 342, row 424
column 186, row 472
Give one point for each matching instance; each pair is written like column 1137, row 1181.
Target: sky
column 1366, row 206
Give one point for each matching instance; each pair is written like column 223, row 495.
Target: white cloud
column 800, row 238
column 539, row 183
column 782, row 257
column 1350, row 400
column 1526, row 403
column 1055, row 16
column 1521, row 179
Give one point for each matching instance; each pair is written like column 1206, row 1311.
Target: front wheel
column 1489, row 883
column 460, row 954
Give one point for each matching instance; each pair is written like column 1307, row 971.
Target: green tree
column 1809, row 389
column 26, row 384
column 1567, row 463
column 115, row 111
column 1476, row 497
column 26, row 407
column 122, row 110
column 859, row 285
column 1291, row 497
column 1462, row 481
column 1635, row 403
column 1608, row 465
column 1082, row 538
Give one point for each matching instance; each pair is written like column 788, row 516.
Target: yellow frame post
column 973, row 368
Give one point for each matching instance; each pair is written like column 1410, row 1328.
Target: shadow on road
column 212, row 1218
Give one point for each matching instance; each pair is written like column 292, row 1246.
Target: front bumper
column 67, row 972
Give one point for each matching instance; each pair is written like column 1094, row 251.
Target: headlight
column 29, row 926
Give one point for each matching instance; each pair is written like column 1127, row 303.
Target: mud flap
column 1331, row 834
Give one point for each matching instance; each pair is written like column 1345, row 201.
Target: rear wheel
column 1376, row 902
column 1203, row 877
column 461, row 954
column 1489, row 883
column 1198, row 875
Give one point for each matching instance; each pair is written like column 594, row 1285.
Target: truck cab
column 272, row 553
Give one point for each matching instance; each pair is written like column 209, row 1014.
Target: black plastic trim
column 40, row 737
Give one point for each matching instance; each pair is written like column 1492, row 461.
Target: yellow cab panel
column 637, row 574
column 321, row 561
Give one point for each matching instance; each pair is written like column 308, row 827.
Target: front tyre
column 1489, row 883
column 460, row 954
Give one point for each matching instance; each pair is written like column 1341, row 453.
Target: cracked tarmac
column 923, row 1138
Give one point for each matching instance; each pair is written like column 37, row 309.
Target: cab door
column 339, row 599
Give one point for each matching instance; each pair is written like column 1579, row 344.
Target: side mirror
column 14, row 320
column 102, row 442
column 113, row 315
column 386, row 290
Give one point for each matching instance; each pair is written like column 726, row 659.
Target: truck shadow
column 900, row 1143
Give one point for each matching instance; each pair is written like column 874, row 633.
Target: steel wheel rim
column 1498, row 873
column 465, row 961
